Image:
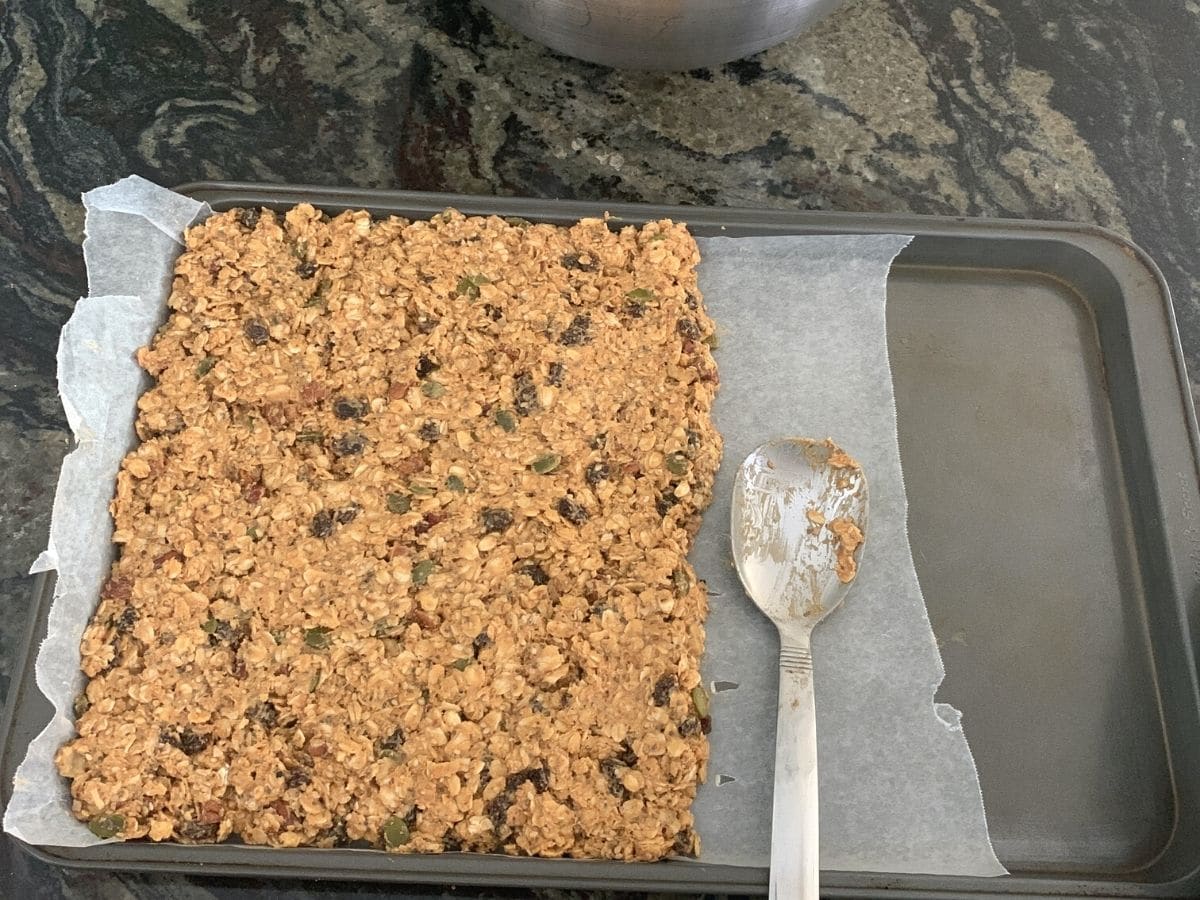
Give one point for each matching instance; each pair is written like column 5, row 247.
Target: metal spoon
column 798, row 521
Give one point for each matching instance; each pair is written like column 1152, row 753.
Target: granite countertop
column 1085, row 109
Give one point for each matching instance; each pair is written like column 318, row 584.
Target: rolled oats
column 402, row 549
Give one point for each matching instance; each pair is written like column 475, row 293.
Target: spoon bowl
column 798, row 524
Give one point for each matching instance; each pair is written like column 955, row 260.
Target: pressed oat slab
column 402, row 549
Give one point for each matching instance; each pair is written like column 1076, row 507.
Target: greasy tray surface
column 1048, row 444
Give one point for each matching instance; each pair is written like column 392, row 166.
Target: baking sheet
column 899, row 790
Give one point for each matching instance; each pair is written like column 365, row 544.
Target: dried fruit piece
column 554, row 377
column 430, row 432
column 574, row 261
column 426, row 366
column 347, row 408
column 681, row 581
column 350, row 444
column 322, row 524
column 495, row 520
column 536, row 573
column 596, row 473
column 248, row 218
column 525, row 399
column 256, row 332
column 572, row 511
column 663, row 688
column 688, row 329
column 578, row 332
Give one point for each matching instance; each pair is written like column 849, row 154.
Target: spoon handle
column 795, row 859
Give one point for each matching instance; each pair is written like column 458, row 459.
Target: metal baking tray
column 1050, row 451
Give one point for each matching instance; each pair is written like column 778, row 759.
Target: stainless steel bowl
column 660, row 34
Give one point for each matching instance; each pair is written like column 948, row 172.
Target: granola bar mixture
column 402, row 549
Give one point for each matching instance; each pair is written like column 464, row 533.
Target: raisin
column 688, row 329
column 197, row 831
column 599, row 441
column 426, row 365
column 349, row 444
column 596, row 473
column 392, row 742
column 555, row 376
column 536, row 573
column 572, row 511
column 692, row 301
column 665, row 501
column 322, row 524
column 264, row 713
column 426, row 324
column 495, row 520
column 706, row 725
column 346, row 514
column 572, row 261
column 626, row 756
column 494, row 313
column 306, row 269
column 689, row 727
column 577, row 332
column 430, row 432
column 117, row 588
column 497, row 808
column 297, row 778
column 451, row 842
column 610, row 768
column 482, row 640
column 693, row 442
column 635, row 308
column 685, row 843
column 256, row 332
column 346, row 408
column 249, row 217
column 663, row 688
column 336, row 833
column 540, row 779
column 126, row 620
column 525, row 399
column 189, row 741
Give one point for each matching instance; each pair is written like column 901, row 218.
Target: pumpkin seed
column 318, row 638
column 398, row 503
column 640, row 294
column 205, row 366
column 106, row 825
column 456, row 484
column 546, row 463
column 395, row 832
column 506, row 420
column 461, row 664
column 422, row 570
column 700, row 701
column 677, row 463
column 433, row 389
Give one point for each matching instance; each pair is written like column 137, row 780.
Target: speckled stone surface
column 1081, row 109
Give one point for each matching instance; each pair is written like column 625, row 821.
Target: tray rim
column 1096, row 241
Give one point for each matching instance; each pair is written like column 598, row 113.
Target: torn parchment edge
column 103, row 434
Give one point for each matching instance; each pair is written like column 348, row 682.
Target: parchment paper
column 803, row 352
